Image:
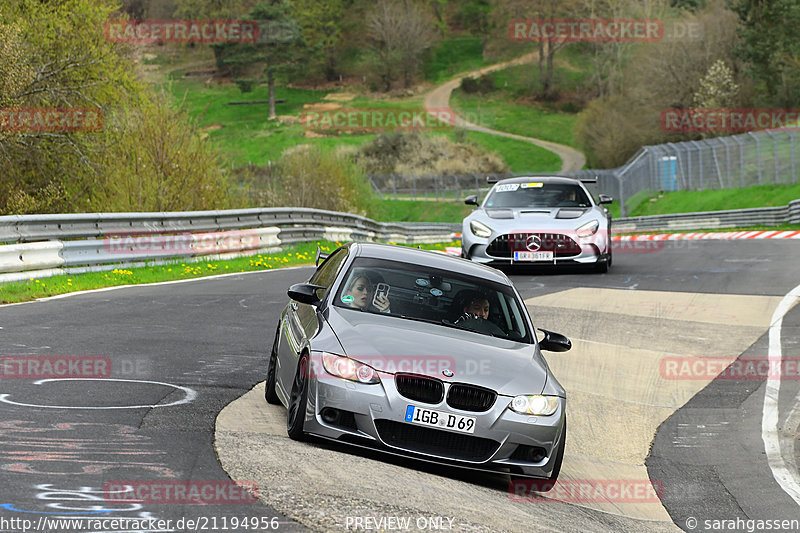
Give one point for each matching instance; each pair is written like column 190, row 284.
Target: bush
column 415, row 153
column 307, row 176
column 245, row 85
column 155, row 160
column 482, row 85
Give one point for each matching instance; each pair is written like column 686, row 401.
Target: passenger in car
column 359, row 293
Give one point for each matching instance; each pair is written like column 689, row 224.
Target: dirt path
column 571, row 159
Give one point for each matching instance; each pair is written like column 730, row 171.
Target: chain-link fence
column 432, row 187
column 755, row 158
column 458, row 186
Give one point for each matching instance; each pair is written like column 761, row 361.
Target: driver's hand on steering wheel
column 466, row 316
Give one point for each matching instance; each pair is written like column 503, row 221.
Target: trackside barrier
column 46, row 245
column 739, row 218
column 102, row 241
column 30, row 256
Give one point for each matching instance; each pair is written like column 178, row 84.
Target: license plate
column 440, row 419
column 533, row 256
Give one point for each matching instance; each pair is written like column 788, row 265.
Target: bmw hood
column 392, row 344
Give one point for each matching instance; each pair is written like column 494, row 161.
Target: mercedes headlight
column 346, row 368
column 534, row 405
column 480, row 230
column 588, row 229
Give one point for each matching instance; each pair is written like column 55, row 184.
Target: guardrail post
column 699, row 162
column 758, row 153
column 623, row 209
column 739, row 143
column 791, row 145
column 774, row 155
column 727, row 159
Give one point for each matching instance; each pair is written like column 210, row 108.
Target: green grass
column 298, row 254
column 453, row 56
column 511, row 106
column 718, row 200
column 420, row 211
column 521, row 156
column 494, row 111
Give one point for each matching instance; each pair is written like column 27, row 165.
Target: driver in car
column 477, row 307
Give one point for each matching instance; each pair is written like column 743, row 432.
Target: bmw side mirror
column 605, row 199
column 305, row 293
column 471, row 200
column 554, row 342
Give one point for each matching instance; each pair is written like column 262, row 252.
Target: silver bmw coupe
column 419, row 354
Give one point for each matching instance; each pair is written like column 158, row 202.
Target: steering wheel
column 480, row 325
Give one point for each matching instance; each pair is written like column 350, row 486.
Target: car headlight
column 479, row 230
column 534, row 405
column 346, row 368
column 588, row 229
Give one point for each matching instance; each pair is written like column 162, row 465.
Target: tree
column 717, row 88
column 400, row 31
column 474, row 15
column 656, row 76
column 323, row 28
column 770, row 46
column 278, row 51
column 54, row 54
column 154, row 160
column 542, row 11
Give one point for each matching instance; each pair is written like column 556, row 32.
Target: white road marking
column 786, row 478
column 190, row 395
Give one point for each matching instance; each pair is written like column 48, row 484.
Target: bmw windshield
column 445, row 298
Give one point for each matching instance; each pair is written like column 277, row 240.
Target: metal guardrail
column 45, row 245
column 29, row 228
column 738, row 218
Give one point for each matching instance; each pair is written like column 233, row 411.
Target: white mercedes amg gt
column 539, row 220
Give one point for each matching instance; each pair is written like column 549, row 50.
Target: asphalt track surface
column 187, row 350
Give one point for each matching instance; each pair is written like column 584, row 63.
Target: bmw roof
column 428, row 258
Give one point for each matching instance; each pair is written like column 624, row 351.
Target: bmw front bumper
column 373, row 416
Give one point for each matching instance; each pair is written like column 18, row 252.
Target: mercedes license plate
column 533, row 256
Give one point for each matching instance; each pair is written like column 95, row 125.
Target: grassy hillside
column 510, row 107
column 695, row 201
